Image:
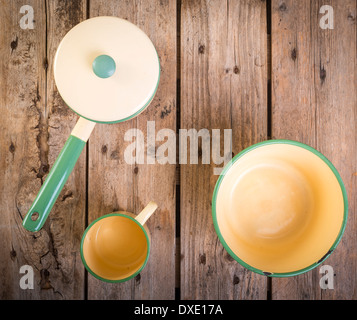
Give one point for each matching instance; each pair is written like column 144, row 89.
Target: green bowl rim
column 134, row 274
column 214, row 213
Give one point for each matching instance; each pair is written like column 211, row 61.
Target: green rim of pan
column 266, row 272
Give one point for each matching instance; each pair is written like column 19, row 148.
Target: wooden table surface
column 265, row 69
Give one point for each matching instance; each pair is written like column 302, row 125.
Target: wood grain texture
column 223, row 86
column 116, row 185
column 314, row 101
column 224, row 65
column 36, row 123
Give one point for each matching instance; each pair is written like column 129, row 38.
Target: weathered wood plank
column 67, row 221
column 314, row 101
column 116, row 185
column 223, row 86
column 21, row 63
column 35, row 125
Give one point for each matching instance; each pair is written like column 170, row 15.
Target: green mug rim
column 214, row 213
column 134, row 274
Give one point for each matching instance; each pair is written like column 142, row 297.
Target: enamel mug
column 116, row 246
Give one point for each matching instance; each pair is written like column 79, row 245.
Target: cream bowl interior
column 279, row 208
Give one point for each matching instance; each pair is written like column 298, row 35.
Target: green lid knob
column 104, row 66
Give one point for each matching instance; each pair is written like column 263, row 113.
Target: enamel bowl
column 279, row 208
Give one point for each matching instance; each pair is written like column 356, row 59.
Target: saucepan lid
column 106, row 69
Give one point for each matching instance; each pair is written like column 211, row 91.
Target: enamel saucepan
column 106, row 70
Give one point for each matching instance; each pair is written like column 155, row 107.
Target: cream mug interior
column 279, row 208
column 116, row 246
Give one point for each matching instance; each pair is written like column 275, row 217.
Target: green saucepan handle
column 57, row 177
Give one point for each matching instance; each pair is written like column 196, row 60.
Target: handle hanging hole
column 35, row 216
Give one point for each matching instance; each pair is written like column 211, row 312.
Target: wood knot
column 229, row 257
column 235, row 280
column 282, row 7
column 138, row 279
column 293, row 54
column 114, row 155
column 201, row 49
column 351, row 17
column 12, row 147
column 67, row 195
column 322, row 74
column 165, row 112
column 43, row 170
column 45, row 282
column 13, row 254
column 202, row 258
column 236, row 70
column 104, row 149
column 14, row 44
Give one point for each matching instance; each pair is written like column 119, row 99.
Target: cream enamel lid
column 119, row 97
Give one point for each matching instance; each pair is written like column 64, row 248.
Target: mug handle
column 145, row 214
